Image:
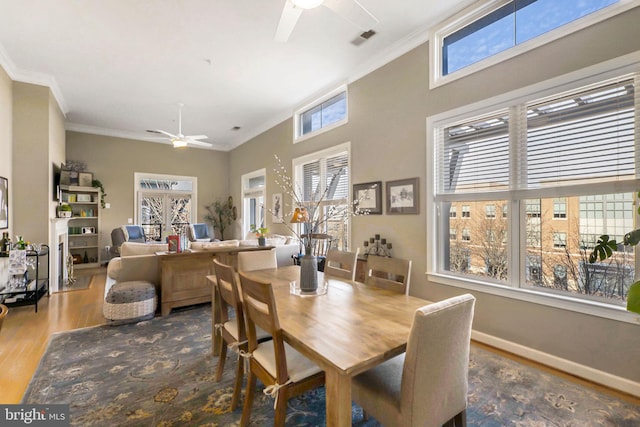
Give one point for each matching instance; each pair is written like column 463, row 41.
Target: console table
column 184, row 274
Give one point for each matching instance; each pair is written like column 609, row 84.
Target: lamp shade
column 299, row 215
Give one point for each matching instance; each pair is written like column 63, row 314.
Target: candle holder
column 377, row 246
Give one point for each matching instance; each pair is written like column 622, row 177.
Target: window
column 165, row 204
column 496, row 30
column 325, row 177
column 253, row 194
column 490, row 211
column 559, row 208
column 466, row 211
column 559, row 240
column 541, row 152
column 326, row 113
column 452, row 212
column 453, row 233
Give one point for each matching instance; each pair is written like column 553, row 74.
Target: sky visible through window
column 510, row 25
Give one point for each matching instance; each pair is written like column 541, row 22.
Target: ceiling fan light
column 177, row 143
column 307, row 4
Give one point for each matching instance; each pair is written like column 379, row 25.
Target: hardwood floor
column 25, row 334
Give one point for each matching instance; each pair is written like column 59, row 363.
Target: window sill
column 592, row 308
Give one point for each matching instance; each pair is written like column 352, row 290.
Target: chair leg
column 281, row 408
column 248, row 399
column 237, row 387
column 221, row 360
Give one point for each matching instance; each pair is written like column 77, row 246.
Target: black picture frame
column 403, row 196
column 4, row 203
column 368, row 197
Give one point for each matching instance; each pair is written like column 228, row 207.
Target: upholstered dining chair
column 284, row 372
column 257, row 260
column 341, row 264
column 427, row 385
column 388, row 273
column 232, row 330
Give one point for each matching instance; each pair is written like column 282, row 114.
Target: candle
column 366, row 243
column 371, row 240
column 383, row 241
column 377, row 237
column 388, row 245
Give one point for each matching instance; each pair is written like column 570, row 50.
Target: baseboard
column 612, row 381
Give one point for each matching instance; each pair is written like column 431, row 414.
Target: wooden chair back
column 341, row 264
column 228, row 294
column 320, row 243
column 3, row 313
column 388, row 273
column 260, row 308
column 257, row 260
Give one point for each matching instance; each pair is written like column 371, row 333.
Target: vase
column 262, row 241
column 308, row 272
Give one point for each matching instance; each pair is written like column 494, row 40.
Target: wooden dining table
column 347, row 330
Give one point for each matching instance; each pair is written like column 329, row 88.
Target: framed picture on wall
column 368, row 197
column 85, row 179
column 276, row 208
column 403, row 196
column 4, row 203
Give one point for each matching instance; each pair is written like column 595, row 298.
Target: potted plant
column 64, row 210
column 260, row 234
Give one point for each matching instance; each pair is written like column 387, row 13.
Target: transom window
column 326, row 113
column 542, row 155
column 496, row 30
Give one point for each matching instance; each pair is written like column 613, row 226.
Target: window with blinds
column 323, row 179
column 544, row 156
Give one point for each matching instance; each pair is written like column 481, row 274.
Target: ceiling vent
column 363, row 38
column 235, row 128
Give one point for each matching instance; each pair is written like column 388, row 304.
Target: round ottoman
column 130, row 302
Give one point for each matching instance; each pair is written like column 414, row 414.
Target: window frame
column 298, row 163
column 597, row 73
column 297, row 115
column 244, row 191
column 475, row 12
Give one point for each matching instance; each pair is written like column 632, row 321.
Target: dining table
column 346, row 330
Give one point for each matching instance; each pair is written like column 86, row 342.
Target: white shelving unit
column 84, row 225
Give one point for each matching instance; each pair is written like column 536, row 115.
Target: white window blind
column 326, row 178
column 474, row 155
column 581, row 137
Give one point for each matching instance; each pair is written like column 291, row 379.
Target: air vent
column 235, row 128
column 363, row 37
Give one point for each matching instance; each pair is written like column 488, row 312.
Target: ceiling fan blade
column 196, row 137
column 288, row 20
column 353, row 12
column 161, row 132
column 198, row 143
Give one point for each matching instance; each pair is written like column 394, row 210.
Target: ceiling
column 119, row 67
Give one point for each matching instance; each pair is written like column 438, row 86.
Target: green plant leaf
column 603, row 249
column 632, row 238
column 633, row 298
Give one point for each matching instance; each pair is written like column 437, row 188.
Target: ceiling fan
column 350, row 10
column 181, row 140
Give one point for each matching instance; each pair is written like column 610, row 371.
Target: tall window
column 324, row 177
column 165, row 204
column 253, row 189
column 323, row 114
column 577, row 143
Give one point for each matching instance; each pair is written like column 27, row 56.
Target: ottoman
column 130, row 302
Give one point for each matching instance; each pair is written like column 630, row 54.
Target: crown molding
column 123, row 134
column 32, row 77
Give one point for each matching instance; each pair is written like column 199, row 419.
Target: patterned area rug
column 160, row 373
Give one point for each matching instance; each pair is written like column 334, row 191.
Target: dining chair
column 232, row 330
column 388, row 273
column 320, row 244
column 427, row 385
column 257, row 260
column 341, row 264
column 283, row 370
column 3, row 313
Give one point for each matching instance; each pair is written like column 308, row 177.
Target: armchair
column 126, row 233
column 200, row 233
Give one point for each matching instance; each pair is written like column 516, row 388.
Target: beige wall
column 115, row 160
column 387, row 115
column 6, row 133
